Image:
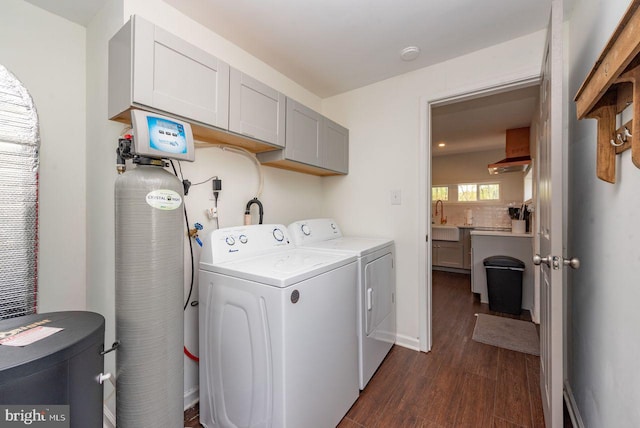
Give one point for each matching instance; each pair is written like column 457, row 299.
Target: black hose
column 186, row 220
column 260, row 209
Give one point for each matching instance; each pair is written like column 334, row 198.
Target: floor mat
column 507, row 333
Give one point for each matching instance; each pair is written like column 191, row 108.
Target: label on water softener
column 164, row 199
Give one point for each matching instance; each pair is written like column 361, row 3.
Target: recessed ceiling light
column 410, row 53
column 441, row 144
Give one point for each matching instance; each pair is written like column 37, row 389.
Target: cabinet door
column 174, row 76
column 303, row 134
column 434, row 253
column 336, row 147
column 466, row 241
column 255, row 109
column 450, row 254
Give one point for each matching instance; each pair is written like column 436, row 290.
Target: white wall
column 100, row 160
column 472, row 168
column 287, row 195
column 384, row 125
column 604, row 293
column 47, row 54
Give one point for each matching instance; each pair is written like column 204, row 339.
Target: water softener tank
column 62, row 369
column 149, row 291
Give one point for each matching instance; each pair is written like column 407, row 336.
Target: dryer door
column 379, row 286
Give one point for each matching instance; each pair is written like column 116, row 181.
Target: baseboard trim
column 572, row 406
column 191, row 397
column 452, row 270
column 408, row 342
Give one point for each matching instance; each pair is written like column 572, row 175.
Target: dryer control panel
column 305, row 232
column 235, row 243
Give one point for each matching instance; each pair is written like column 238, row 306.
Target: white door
column 550, row 226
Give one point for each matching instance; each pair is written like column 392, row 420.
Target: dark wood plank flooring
column 460, row 383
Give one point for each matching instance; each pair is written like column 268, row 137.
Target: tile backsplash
column 484, row 215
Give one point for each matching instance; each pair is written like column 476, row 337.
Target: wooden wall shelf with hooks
column 611, row 86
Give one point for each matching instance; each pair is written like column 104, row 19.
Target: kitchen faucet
column 443, row 219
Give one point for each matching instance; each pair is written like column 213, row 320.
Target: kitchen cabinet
column 256, row 110
column 453, row 254
column 153, row 69
column 313, row 143
column 447, row 254
column 466, row 247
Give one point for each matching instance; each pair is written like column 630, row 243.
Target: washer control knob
column 333, row 226
column 305, row 229
column 278, row 234
column 243, row 239
column 230, row 240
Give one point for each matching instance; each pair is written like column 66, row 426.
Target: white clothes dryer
column 278, row 341
column 376, row 286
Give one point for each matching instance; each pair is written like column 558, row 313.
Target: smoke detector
column 409, row 53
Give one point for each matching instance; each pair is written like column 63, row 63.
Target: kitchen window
column 440, row 193
column 467, row 192
column 489, row 192
column 473, row 192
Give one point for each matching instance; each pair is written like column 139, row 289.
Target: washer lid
column 351, row 245
column 281, row 268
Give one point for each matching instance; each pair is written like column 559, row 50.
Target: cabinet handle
column 369, row 298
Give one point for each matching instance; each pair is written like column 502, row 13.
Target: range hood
column 517, row 151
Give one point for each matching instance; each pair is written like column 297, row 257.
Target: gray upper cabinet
column 314, row 144
column 304, row 134
column 336, row 147
column 151, row 68
column 255, row 109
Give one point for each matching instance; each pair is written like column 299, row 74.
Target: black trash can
column 504, row 283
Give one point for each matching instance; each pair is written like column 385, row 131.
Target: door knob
column 573, row 262
column 537, row 260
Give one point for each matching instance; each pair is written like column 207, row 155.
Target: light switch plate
column 396, row 197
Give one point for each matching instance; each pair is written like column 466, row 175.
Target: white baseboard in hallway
column 572, row 407
column 408, row 342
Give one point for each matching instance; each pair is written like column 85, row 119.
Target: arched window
column 19, row 161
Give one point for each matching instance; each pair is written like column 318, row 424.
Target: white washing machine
column 376, row 286
column 278, row 339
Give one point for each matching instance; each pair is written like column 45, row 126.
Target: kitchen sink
column 441, row 232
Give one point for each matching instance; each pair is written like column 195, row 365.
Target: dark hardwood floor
column 460, row 383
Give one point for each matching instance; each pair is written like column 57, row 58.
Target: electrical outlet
column 396, row 197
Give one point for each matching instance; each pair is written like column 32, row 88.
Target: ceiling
column 333, row 46
column 480, row 124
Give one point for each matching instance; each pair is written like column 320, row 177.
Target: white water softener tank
column 149, row 292
column 149, row 268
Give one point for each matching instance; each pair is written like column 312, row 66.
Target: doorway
column 451, row 105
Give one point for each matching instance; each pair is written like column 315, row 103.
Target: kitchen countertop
column 499, row 233
column 472, row 227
